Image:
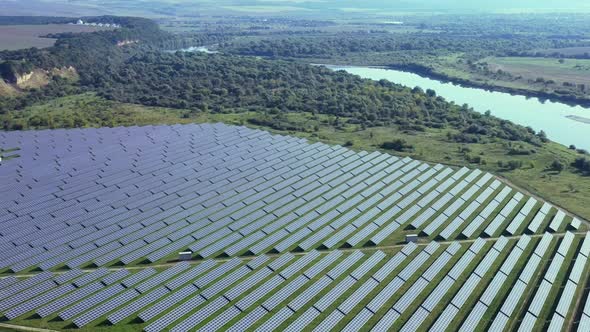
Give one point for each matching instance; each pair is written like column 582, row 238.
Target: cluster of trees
column 582, row 164
column 33, row 20
column 219, row 83
column 428, row 43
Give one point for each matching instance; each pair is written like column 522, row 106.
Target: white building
column 80, row 22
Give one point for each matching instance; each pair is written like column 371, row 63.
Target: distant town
column 94, row 24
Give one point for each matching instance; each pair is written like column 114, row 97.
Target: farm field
column 285, row 235
column 15, row 37
column 571, row 70
column 566, row 51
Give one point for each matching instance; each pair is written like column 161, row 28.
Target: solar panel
column 557, row 221
column 543, row 245
column 137, row 305
column 585, row 248
column 358, row 295
column 330, row 322
column 511, row 301
column 465, row 291
column 225, row 282
column 334, row 293
column 167, row 303
column 248, row 320
column 444, row 320
column 386, row 321
column 413, row 324
column 474, row 317
column 556, row 324
column 196, row 318
column 259, row 292
column 578, row 269
column 565, row 244
column 69, row 299
column 104, row 308
column 90, row 302
column 221, row 319
column 190, row 274
column 276, row 320
column 303, row 321
column 584, row 323
column 20, row 286
column 216, row 273
column 165, row 321
column 299, row 264
column 530, row 268
column 27, row 294
column 38, row 301
column 540, row 296
column 345, row 264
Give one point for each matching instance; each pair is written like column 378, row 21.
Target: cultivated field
column 571, row 70
column 566, row 51
column 285, row 235
column 15, row 37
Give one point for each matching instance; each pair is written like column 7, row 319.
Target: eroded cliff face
column 127, row 42
column 37, row 78
column 7, row 89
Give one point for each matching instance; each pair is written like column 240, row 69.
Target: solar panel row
column 147, row 187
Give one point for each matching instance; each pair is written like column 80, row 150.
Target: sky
column 285, row 7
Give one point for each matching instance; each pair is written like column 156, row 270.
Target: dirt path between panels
column 10, row 327
column 247, row 258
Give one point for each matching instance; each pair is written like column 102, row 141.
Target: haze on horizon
column 307, row 8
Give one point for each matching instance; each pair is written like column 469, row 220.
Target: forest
column 429, row 43
column 226, row 83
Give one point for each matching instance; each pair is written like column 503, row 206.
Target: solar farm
column 284, row 235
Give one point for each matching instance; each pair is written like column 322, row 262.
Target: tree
column 514, row 164
column 397, row 145
column 557, row 166
column 582, row 164
column 543, row 136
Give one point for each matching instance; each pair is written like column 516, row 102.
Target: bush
column 520, row 152
column 557, row 166
column 582, row 164
column 397, row 145
column 514, row 164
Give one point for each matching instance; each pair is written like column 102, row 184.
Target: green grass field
column 566, row 70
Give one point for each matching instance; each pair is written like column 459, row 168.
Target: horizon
column 329, row 9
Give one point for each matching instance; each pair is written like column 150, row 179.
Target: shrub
column 397, row 145
column 582, row 164
column 557, row 166
column 514, row 164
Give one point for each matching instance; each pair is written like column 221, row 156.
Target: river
column 193, row 49
column 563, row 123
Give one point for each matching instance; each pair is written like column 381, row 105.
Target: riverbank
column 579, row 119
column 428, row 72
column 547, row 116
